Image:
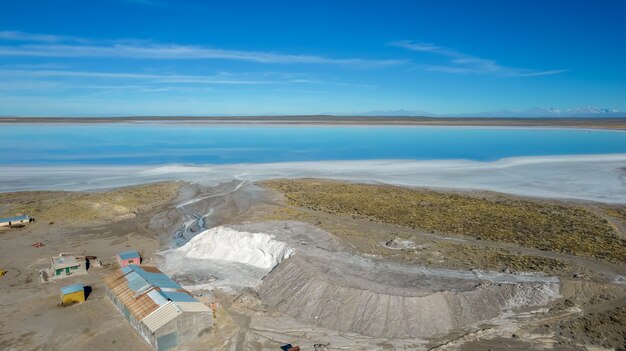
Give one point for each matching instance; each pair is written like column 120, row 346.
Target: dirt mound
column 311, row 291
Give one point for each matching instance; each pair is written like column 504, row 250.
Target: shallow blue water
column 122, row 144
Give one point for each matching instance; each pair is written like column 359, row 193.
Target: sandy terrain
column 352, row 283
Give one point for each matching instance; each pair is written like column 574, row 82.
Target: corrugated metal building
column 71, row 294
column 165, row 314
column 128, row 257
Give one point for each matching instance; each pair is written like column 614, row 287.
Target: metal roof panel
column 69, row 289
column 128, row 254
column 161, row 316
column 178, row 296
column 157, row 297
column 136, row 282
column 195, row 306
column 157, row 279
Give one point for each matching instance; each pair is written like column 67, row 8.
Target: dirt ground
column 99, row 224
column 32, row 320
column 589, row 316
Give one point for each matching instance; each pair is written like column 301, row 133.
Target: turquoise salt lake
column 155, row 144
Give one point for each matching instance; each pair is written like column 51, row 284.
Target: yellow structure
column 72, row 294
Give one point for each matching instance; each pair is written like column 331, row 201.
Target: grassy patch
column 455, row 255
column 616, row 212
column 565, row 229
column 77, row 207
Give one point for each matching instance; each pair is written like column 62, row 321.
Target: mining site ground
column 375, row 267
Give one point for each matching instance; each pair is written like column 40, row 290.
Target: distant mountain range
column 537, row 112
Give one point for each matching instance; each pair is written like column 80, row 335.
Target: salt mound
column 226, row 244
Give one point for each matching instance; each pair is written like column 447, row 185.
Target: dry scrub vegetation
column 535, row 224
column 79, row 207
column 433, row 253
column 606, row 328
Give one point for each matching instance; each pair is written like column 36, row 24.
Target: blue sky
column 166, row 57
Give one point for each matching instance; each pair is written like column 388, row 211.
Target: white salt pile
column 226, row 244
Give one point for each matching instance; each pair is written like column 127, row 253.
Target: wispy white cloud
column 30, row 85
column 57, row 46
column 21, row 36
column 163, row 78
column 47, row 80
column 541, row 73
column 458, row 62
column 9, row 35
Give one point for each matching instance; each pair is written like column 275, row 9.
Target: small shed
column 63, row 266
column 128, row 257
column 15, row 221
column 71, row 294
column 67, row 264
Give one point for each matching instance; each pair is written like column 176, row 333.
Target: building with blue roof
column 165, row 315
column 128, row 257
column 71, row 294
column 15, row 221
